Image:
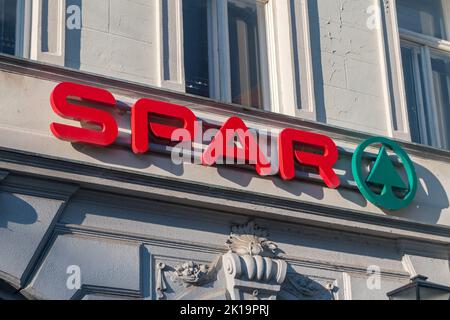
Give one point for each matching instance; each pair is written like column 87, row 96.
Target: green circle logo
column 394, row 193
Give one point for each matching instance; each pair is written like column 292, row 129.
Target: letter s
column 109, row 129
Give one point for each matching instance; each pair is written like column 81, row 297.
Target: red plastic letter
column 63, row 108
column 323, row 162
column 221, row 146
column 140, row 124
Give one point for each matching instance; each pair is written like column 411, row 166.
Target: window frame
column 36, row 52
column 277, row 48
column 394, row 37
column 220, row 70
column 429, row 46
column 23, row 28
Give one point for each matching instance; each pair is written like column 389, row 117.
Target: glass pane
column 244, row 55
column 8, row 16
column 411, row 96
column 422, row 16
column 441, row 80
column 196, row 47
column 419, row 113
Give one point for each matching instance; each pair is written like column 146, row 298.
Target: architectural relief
column 249, row 239
column 298, row 286
column 250, row 270
column 190, row 273
column 161, row 285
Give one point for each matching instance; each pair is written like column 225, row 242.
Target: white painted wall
column 117, row 39
column 349, row 79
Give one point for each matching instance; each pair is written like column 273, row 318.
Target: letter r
column 324, row 162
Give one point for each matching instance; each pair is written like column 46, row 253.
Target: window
column 253, row 53
column 425, row 50
column 422, row 16
column 14, row 27
column 196, row 50
column 225, row 50
column 8, row 18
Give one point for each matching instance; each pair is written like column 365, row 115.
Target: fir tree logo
column 384, row 173
column 395, row 193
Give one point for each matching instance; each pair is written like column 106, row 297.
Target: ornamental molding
column 161, row 285
column 305, row 288
column 251, row 269
column 250, row 239
column 190, row 273
column 250, row 266
column 253, row 277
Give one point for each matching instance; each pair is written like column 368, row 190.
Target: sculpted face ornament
column 384, row 186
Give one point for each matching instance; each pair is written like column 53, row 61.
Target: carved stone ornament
column 160, row 281
column 250, row 270
column 301, row 287
column 190, row 273
column 249, row 239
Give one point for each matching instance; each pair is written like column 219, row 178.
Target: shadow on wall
column 300, row 287
column 124, row 157
column 73, row 36
column 317, row 61
column 15, row 210
column 430, row 200
column 298, row 187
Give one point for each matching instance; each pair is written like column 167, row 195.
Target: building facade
column 84, row 217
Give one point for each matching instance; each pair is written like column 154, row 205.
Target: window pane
column 8, row 14
column 441, row 80
column 422, row 125
column 422, row 16
column 244, row 55
column 411, row 96
column 196, row 47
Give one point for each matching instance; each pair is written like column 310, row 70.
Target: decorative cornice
column 36, row 187
column 104, row 177
column 213, row 249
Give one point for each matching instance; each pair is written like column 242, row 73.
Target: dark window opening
column 8, row 21
column 196, row 47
